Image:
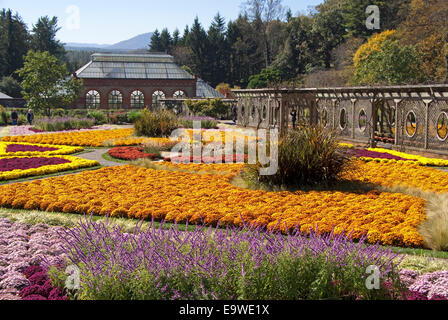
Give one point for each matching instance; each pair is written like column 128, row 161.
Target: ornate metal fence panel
column 407, row 116
column 362, row 119
column 412, row 123
column 438, row 125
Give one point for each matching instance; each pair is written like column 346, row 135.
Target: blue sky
column 108, row 22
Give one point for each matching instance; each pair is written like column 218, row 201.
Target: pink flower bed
column 429, row 286
column 22, row 246
column 9, row 164
column 27, row 130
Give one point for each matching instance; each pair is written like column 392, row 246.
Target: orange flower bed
column 405, row 174
column 134, row 192
column 84, row 138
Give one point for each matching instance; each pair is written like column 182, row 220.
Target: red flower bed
column 9, row 164
column 27, row 148
column 129, row 153
column 232, row 159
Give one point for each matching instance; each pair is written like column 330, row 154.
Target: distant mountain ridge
column 140, row 42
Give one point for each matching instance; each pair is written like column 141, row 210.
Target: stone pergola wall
column 384, row 110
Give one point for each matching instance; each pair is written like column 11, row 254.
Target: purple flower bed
column 172, row 260
column 358, row 153
column 22, row 246
column 9, row 164
column 27, row 148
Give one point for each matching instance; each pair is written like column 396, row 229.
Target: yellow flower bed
column 346, row 145
column 85, row 138
column 129, row 191
column 400, row 173
column 62, row 150
column 75, row 163
column 420, row 159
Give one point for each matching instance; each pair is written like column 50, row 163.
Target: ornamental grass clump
column 225, row 264
column 156, row 123
column 310, row 155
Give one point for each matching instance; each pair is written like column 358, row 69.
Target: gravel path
column 98, row 156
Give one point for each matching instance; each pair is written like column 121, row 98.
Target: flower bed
column 129, row 153
column 10, row 164
column 40, row 287
column 367, row 155
column 21, row 246
column 221, row 169
column 20, row 167
column 11, row 149
column 386, row 155
column 159, row 264
column 129, row 191
column 28, row 130
column 407, row 174
column 236, row 158
column 78, row 138
column 429, row 286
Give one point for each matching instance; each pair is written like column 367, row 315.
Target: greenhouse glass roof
column 204, row 90
column 132, row 66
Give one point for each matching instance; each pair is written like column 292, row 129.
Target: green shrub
column 206, row 122
column 156, row 124
column 22, row 119
column 215, row 108
column 77, row 113
column 59, row 112
column 4, row 116
column 122, row 117
column 133, row 115
column 307, row 156
column 99, row 117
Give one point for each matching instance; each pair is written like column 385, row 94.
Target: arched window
column 137, row 100
column 93, row 99
column 179, row 94
column 156, row 96
column 115, row 100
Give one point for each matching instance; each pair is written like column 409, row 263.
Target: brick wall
column 127, row 86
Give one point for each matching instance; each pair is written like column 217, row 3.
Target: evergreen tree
column 183, row 40
column 218, row 50
column 165, row 40
column 14, row 42
column 176, row 37
column 156, row 42
column 43, row 37
column 198, row 42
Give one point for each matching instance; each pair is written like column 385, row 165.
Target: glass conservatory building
column 132, row 81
